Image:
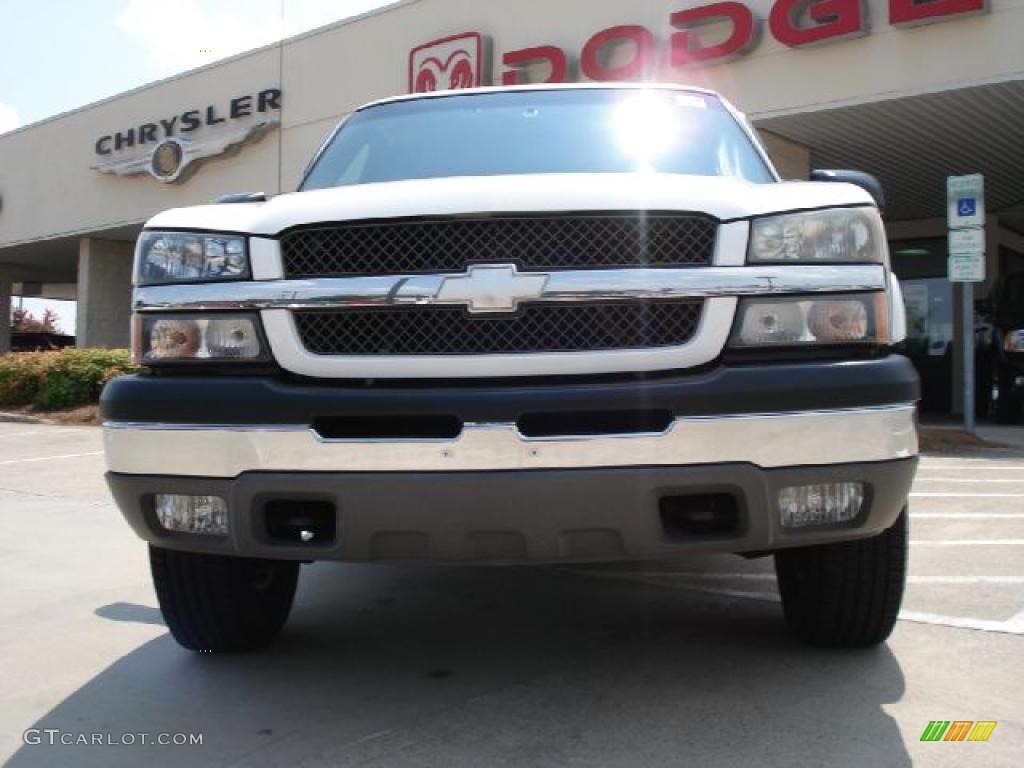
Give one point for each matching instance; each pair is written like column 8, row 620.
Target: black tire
column 213, row 603
column 847, row 594
column 1008, row 406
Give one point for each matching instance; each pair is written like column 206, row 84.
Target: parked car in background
column 1007, row 348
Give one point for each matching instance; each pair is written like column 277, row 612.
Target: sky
column 56, row 55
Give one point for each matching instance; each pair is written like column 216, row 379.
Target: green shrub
column 61, row 379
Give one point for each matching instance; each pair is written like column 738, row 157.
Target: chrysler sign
column 170, row 148
column 460, row 61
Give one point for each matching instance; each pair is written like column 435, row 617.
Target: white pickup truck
column 521, row 325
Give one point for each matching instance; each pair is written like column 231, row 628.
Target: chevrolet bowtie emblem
column 492, row 288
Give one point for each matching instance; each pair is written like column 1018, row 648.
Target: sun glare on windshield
column 649, row 126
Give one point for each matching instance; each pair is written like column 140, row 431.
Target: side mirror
column 863, row 180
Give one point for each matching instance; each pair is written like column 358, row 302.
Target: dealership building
column 912, row 91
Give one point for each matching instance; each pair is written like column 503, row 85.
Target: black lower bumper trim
column 726, row 389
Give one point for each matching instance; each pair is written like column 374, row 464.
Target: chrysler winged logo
column 492, row 288
column 173, row 158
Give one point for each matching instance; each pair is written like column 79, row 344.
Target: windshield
column 535, row 132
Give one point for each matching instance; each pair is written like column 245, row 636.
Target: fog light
column 803, row 505
column 192, row 514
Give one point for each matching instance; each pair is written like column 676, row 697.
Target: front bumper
column 493, row 494
column 765, row 440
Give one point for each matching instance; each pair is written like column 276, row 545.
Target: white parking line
column 967, row 542
column 930, row 495
column 985, row 480
column 967, row 516
column 975, row 468
column 969, row 580
column 1012, row 626
column 770, row 577
column 50, row 458
column 980, row 460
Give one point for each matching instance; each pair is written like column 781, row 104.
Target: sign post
column 965, row 201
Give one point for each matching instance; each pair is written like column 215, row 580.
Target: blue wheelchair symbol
column 967, row 206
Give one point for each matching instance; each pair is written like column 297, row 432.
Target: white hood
column 720, row 197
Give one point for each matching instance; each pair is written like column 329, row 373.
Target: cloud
column 9, row 119
column 189, row 36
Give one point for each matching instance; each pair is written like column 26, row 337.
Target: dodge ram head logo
column 449, row 63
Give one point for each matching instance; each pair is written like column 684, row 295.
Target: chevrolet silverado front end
column 520, row 325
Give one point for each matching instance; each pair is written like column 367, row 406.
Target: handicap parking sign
column 965, row 197
column 967, row 206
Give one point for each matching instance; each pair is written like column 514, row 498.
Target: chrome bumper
column 804, row 438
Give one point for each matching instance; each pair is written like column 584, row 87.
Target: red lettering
column 686, row 47
column 593, row 62
column 909, row 13
column 555, row 58
column 832, row 20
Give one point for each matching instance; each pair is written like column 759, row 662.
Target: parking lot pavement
column 649, row 665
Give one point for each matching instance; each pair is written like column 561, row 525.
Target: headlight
column 167, row 338
column 861, row 318
column 838, row 235
column 1014, row 341
column 182, row 257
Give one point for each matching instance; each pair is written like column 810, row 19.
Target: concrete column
column 104, row 293
column 5, row 314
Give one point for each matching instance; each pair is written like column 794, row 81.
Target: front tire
column 213, row 603
column 846, row 594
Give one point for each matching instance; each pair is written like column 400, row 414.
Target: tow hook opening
column 702, row 514
column 300, row 522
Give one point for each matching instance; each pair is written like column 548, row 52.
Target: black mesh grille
column 449, row 245
column 534, row 328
